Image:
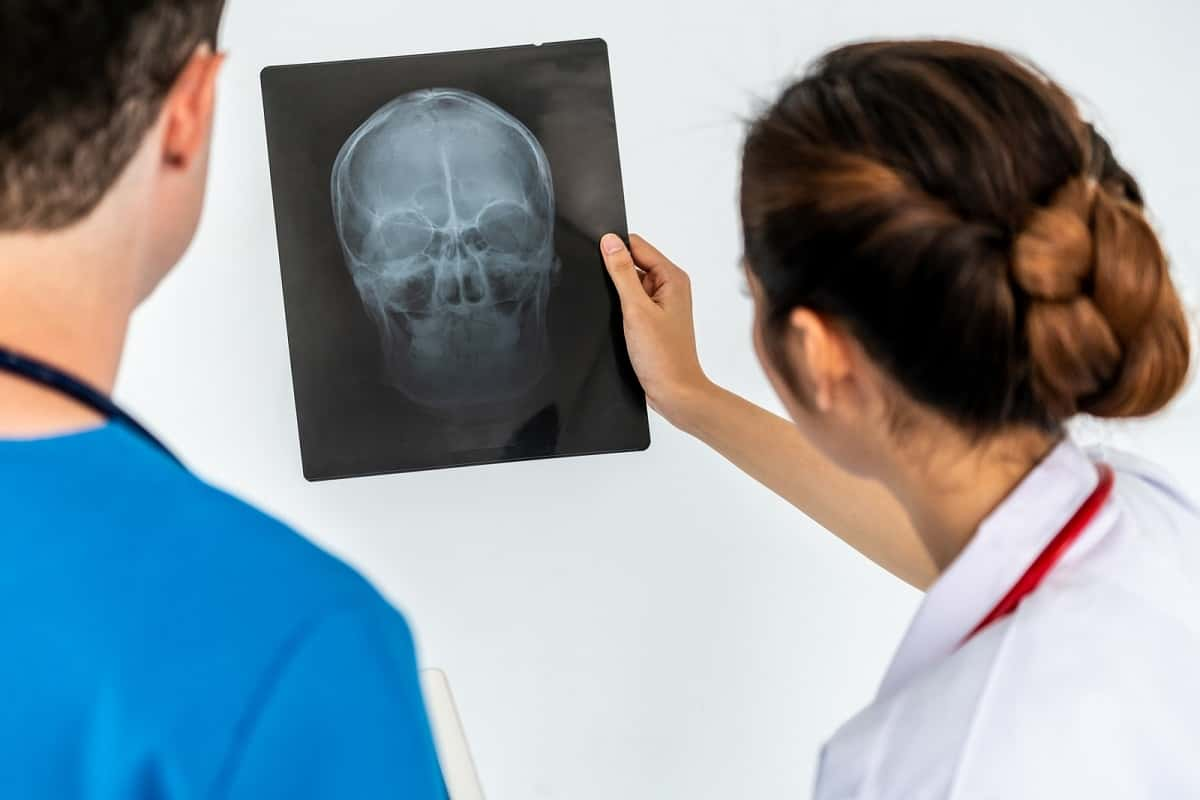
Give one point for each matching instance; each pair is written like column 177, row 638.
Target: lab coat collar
column 1007, row 542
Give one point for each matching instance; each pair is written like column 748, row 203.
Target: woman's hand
column 656, row 301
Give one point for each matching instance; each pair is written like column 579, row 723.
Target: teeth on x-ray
column 444, row 206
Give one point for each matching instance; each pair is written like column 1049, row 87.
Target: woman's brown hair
column 948, row 206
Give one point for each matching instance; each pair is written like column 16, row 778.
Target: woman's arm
column 656, row 302
column 772, row 450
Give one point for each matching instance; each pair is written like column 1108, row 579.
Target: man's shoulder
column 226, row 521
column 109, row 511
column 179, row 522
column 250, row 555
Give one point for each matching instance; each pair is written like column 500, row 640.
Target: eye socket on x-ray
column 508, row 228
column 403, row 233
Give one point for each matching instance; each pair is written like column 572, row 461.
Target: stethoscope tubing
column 43, row 374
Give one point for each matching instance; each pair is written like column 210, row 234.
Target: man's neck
column 65, row 299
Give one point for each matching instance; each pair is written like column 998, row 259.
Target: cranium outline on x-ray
column 444, row 207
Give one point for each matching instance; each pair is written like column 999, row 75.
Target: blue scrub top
column 163, row 640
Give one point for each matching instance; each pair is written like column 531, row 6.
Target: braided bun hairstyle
column 946, row 203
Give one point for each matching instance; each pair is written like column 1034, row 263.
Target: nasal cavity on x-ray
column 444, row 207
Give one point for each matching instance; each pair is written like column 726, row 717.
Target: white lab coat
column 1090, row 689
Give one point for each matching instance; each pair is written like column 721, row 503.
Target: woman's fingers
column 648, row 257
column 648, row 283
column 621, row 268
column 672, row 286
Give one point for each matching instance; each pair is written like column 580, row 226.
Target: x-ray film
column 438, row 219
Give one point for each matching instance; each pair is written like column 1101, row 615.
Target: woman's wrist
column 692, row 406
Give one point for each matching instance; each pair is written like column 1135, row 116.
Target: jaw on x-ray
column 444, row 207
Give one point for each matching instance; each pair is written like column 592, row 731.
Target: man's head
column 107, row 102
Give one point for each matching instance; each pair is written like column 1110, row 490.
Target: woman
column 947, row 264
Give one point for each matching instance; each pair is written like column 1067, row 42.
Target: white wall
column 637, row 626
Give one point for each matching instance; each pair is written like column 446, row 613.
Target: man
column 162, row 640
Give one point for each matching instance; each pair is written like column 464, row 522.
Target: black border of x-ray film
column 633, row 433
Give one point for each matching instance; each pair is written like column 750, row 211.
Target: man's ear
column 819, row 354
column 188, row 108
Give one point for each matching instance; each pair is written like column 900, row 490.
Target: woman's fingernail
column 611, row 243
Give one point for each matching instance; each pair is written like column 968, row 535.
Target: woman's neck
column 950, row 483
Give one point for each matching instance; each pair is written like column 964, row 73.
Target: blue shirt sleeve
column 340, row 715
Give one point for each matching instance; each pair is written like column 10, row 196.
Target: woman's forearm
column 773, row 451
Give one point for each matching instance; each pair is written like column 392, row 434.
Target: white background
column 652, row 625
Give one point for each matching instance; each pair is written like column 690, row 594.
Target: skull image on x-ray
column 444, row 207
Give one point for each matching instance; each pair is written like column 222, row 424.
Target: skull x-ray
column 438, row 219
column 444, row 206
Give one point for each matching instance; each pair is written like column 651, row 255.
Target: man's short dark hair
column 81, row 82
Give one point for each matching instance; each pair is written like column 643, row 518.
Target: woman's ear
column 188, row 108
column 819, row 356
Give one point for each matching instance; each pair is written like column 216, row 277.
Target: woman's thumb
column 619, row 262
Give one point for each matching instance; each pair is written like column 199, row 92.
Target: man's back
column 165, row 640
